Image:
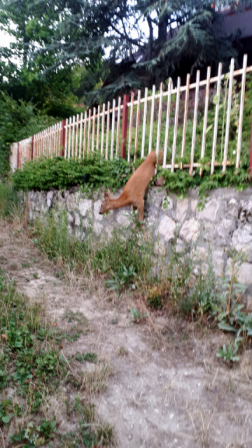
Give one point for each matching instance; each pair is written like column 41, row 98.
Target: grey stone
column 182, row 207
column 218, row 234
column 70, row 218
column 123, row 218
column 70, row 201
column 167, row 228
column 210, row 210
column 233, row 208
column 180, row 246
column 97, row 228
column 194, row 204
column 218, row 262
column 49, row 199
column 242, row 238
column 246, row 211
column 97, row 206
column 77, row 220
column 190, row 230
column 245, row 274
column 84, row 206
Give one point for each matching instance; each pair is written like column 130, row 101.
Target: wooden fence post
column 250, row 158
column 18, row 155
column 63, row 138
column 124, row 126
column 32, row 147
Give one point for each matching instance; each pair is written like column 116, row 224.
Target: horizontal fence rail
column 197, row 125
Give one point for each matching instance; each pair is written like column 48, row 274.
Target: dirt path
column 165, row 388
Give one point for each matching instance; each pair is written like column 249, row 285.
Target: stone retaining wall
column 224, row 222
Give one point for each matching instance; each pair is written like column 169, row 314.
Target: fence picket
column 239, row 137
column 98, row 127
column 103, row 124
column 185, row 117
column 81, row 130
column 89, row 131
column 175, row 126
column 118, row 125
column 217, row 105
column 137, row 122
column 167, row 121
column 205, row 117
column 230, row 87
column 159, row 118
column 113, row 131
column 93, row 129
column 152, row 117
column 107, row 135
column 144, row 121
column 195, row 116
column 65, row 154
column 85, row 134
column 131, row 123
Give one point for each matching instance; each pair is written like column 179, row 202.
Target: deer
column 135, row 189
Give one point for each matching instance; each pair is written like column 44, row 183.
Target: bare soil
column 164, row 386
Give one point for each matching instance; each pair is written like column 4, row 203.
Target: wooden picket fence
column 166, row 121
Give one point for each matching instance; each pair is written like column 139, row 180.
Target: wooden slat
column 98, row 128
column 216, row 119
column 137, row 122
column 130, row 124
column 65, row 149
column 185, row 116
column 103, row 124
column 203, row 144
column 81, row 131
column 89, row 131
column 152, row 117
column 85, row 134
column 76, row 135
column 118, row 125
column 239, row 137
column 93, row 130
column 113, row 130
column 195, row 116
column 144, row 121
column 175, row 126
column 231, row 77
column 107, row 135
column 159, row 118
column 167, row 123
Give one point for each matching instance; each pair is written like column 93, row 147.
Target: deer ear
column 108, row 193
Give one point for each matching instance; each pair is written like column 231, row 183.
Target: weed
column 137, row 315
column 155, row 296
column 229, row 353
column 82, row 357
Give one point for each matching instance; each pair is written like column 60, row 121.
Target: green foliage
column 228, row 353
column 137, row 315
column 8, row 199
column 122, row 278
column 154, row 296
column 60, row 173
column 90, row 357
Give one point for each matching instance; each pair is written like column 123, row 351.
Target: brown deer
column 134, row 190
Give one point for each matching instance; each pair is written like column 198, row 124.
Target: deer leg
column 140, row 208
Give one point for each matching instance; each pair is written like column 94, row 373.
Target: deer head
column 105, row 205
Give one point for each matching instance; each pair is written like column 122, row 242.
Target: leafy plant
column 229, row 353
column 137, row 315
column 121, row 278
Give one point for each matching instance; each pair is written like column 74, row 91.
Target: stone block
column 245, row 274
column 194, row 204
column 70, row 218
column 84, row 206
column 159, row 248
column 210, row 211
column 124, row 218
column 233, row 208
column 97, row 206
column 218, row 262
column 97, row 228
column 242, row 238
column 49, row 199
column 199, row 254
column 182, row 207
column 180, row 246
column 167, row 228
column 190, row 230
column 218, row 234
column 77, row 220
column 246, row 212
